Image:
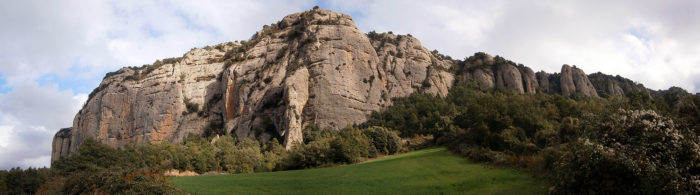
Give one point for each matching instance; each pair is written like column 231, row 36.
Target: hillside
column 427, row 171
column 312, row 91
column 310, row 68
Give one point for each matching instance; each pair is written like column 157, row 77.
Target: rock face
column 543, row 81
column 574, row 80
column 489, row 72
column 608, row 85
column 509, row 77
column 61, row 144
column 530, row 84
column 313, row 67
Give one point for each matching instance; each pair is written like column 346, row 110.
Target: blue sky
column 54, row 53
column 3, row 87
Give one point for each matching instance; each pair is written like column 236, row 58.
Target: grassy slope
column 419, row 172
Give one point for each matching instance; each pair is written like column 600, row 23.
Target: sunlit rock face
column 313, row 67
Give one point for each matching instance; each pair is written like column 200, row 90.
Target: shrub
column 191, row 106
column 201, row 154
column 313, row 154
column 247, row 156
column 426, row 83
column 383, row 140
column 314, row 133
column 100, row 169
column 225, row 154
column 631, row 152
column 272, row 156
column 351, row 146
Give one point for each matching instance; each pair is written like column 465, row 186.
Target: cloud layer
column 56, row 52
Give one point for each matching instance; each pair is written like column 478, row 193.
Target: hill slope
column 424, row 171
column 310, row 68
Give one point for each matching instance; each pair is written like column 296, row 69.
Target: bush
column 418, row 114
column 272, row 156
column 247, row 156
column 191, row 106
column 313, row 133
column 383, row 140
column 225, row 154
column 313, row 154
column 351, row 146
column 201, row 154
column 631, row 152
column 99, row 169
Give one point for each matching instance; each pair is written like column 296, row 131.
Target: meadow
column 427, row 171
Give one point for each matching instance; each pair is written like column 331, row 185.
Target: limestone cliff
column 574, row 80
column 313, row 67
column 489, row 72
column 608, row 85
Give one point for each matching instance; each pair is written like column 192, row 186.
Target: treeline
column 22, row 181
column 582, row 145
column 98, row 168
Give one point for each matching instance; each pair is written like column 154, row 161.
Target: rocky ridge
column 313, row 67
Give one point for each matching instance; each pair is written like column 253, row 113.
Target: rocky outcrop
column 314, row 67
column 530, row 83
column 483, row 77
column 149, row 104
column 509, row 77
column 61, row 144
column 608, row 85
column 543, row 82
column 574, row 80
column 489, row 72
column 406, row 65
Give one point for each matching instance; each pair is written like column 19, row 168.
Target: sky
column 53, row 53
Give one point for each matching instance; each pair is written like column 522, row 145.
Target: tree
column 351, row 146
column 383, row 140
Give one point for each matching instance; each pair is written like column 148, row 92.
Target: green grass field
column 427, row 171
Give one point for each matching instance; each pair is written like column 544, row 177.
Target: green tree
column 351, row 146
column 383, row 140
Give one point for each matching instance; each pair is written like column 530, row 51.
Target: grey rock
column 509, row 77
column 574, row 80
column 608, row 85
column 530, row 83
column 61, row 144
column 313, row 67
column 484, row 77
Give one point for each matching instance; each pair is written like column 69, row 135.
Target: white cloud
column 31, row 115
